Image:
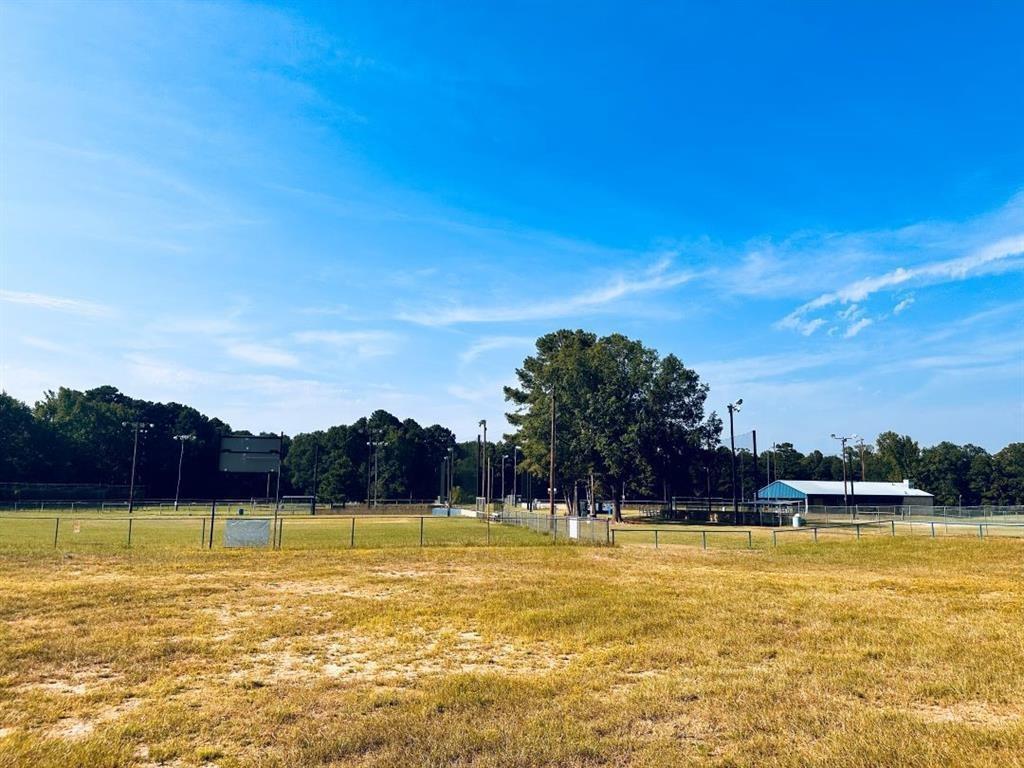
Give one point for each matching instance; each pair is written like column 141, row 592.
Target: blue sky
column 292, row 215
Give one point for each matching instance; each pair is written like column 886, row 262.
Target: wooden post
column 421, row 531
column 352, row 535
column 56, row 529
column 202, row 535
column 129, row 531
column 704, row 539
column 655, row 538
column 213, row 516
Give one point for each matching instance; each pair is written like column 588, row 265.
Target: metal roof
column 791, row 489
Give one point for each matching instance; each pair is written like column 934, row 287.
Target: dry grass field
column 883, row 652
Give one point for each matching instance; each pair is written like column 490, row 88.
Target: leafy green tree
column 899, row 456
column 622, row 413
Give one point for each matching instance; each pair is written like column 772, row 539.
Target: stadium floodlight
column 843, row 440
column 137, row 426
column 734, row 408
column 504, row 458
column 515, row 470
column 486, row 466
column 450, row 477
column 181, row 456
column 376, row 444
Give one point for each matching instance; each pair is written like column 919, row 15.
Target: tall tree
column 622, row 413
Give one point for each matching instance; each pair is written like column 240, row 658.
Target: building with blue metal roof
column 836, row 493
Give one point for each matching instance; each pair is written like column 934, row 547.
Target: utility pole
column 137, row 426
column 757, row 493
column 375, row 445
column 515, row 470
column 551, row 458
column 451, row 471
column 504, row 456
column 316, row 472
column 486, row 466
column 843, row 440
column 181, row 457
column 863, row 473
column 441, row 489
column 734, row 408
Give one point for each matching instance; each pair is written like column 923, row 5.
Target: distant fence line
column 203, row 506
column 443, row 526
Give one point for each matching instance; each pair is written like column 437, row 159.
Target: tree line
column 625, row 422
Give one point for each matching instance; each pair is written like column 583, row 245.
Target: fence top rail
column 682, row 529
column 231, row 516
column 835, row 526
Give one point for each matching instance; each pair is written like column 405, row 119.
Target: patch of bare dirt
column 970, row 712
column 74, row 682
column 335, row 589
column 73, row 728
column 386, row 661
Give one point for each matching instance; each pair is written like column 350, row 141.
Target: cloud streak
column 364, row 344
column 261, row 354
column 658, row 278
column 56, row 303
column 985, row 260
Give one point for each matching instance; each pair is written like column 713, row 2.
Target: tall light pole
column 451, row 471
column 443, row 485
column 316, row 472
column 375, row 446
column 137, row 426
column 504, row 457
column 551, row 459
column 486, row 466
column 734, row 408
column 181, row 457
column 515, row 470
column 843, row 440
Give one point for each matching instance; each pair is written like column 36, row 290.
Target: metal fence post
column 980, row 534
column 933, row 529
column 213, row 516
column 129, row 531
column 56, row 529
column 704, row 539
column 202, row 535
column 352, row 535
column 613, row 536
column 857, row 526
column 815, row 531
column 775, row 541
column 488, row 530
column 421, row 531
column 655, row 538
column 750, row 540
column 893, row 524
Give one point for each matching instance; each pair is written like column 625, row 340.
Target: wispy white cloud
column 490, row 343
column 657, row 278
column 56, row 303
column 857, row 327
column 46, row 345
column 984, row 260
column 363, row 344
column 903, row 305
column 261, row 354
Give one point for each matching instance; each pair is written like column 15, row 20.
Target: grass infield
column 880, row 652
